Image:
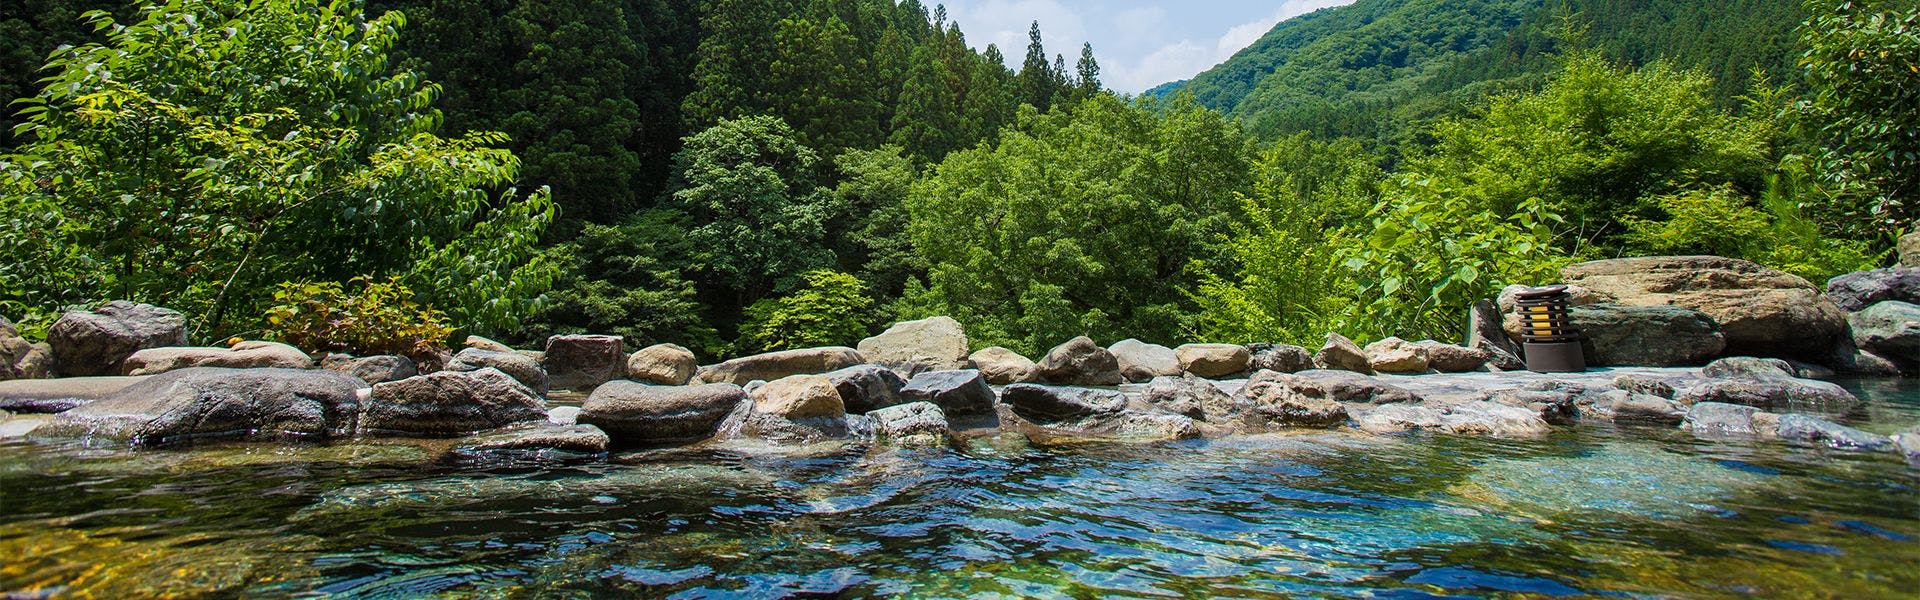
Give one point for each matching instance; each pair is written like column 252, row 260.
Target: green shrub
column 830, row 310
column 364, row 317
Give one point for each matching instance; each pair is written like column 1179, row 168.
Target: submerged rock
column 522, row 368
column 98, row 342
column 775, row 365
column 583, row 362
column 639, row 414
column 210, row 401
column 1002, row 366
column 451, row 403
column 1141, row 361
column 960, row 392
column 912, row 424
column 1721, row 419
column 663, row 364
column 931, row 344
column 536, row 440
column 1761, row 311
column 865, row 388
column 1213, row 361
column 1908, row 443
column 1803, row 428
column 1079, row 362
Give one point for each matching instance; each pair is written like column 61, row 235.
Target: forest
column 748, row 175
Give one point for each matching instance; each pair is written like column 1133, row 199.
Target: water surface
column 1587, row 511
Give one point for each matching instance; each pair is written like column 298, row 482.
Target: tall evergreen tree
column 1089, row 72
column 1036, row 77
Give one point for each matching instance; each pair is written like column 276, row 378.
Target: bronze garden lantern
column 1552, row 343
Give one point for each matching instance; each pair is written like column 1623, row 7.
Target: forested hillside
column 747, row 175
column 1382, row 69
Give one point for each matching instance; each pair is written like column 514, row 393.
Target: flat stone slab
column 59, row 395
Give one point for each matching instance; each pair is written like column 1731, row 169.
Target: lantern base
column 1556, row 357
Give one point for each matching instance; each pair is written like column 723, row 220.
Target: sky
column 1139, row 43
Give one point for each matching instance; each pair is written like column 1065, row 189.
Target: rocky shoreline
column 1657, row 323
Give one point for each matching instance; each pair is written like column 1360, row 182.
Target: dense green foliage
column 831, row 309
column 363, row 317
column 213, row 149
column 1863, row 61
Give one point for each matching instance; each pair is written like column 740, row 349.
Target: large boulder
column 961, row 392
column 1079, row 362
column 1214, row 361
column 1857, row 291
column 1192, row 397
column 523, row 368
column 1342, row 354
column 1761, row 311
column 1141, row 361
column 935, row 344
column 450, row 403
column 245, row 355
column 1889, row 329
column 637, row 414
column 1281, row 358
column 866, row 388
column 371, row 369
column 799, row 397
column 1002, row 366
column 583, row 362
column 912, row 424
column 98, row 342
column 664, row 364
column 1449, row 358
column 777, row 365
column 210, row 401
column 1615, row 335
column 1395, row 355
column 16, row 355
column 1048, row 404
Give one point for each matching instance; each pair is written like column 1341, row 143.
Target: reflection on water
column 1644, row 512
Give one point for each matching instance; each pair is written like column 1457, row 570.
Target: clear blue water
column 1588, row 511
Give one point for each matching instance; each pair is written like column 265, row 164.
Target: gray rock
column 649, row 415
column 912, row 424
column 371, row 369
column 1448, row 358
column 1141, row 361
column 536, row 440
column 1491, row 419
column 1192, row 397
column 1644, row 385
column 1124, row 425
column 1340, row 386
column 935, row 344
column 1856, row 291
column 99, row 342
column 664, row 364
column 1394, row 418
column 1002, row 366
column 1615, row 335
column 17, row 360
column 1889, row 329
column 1214, row 361
column 1279, row 358
column 1291, row 400
column 1342, row 354
column 1803, row 428
column 1486, row 332
column 776, row 365
column 960, row 393
column 564, row 415
column 865, row 388
column 1780, row 393
column 245, row 355
column 47, row 396
column 1079, row 362
column 1621, row 406
column 583, row 362
column 522, row 368
column 1395, row 355
column 1047, row 404
column 209, row 402
column 474, row 341
column 1748, row 367
column 1714, row 419
column 451, row 403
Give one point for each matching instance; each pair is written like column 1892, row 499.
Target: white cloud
column 1186, row 58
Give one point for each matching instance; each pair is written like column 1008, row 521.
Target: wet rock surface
column 866, row 388
column 450, row 403
column 1761, row 311
column 961, row 392
column 216, row 402
column 639, row 414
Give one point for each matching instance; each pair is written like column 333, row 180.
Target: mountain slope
column 1378, row 68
